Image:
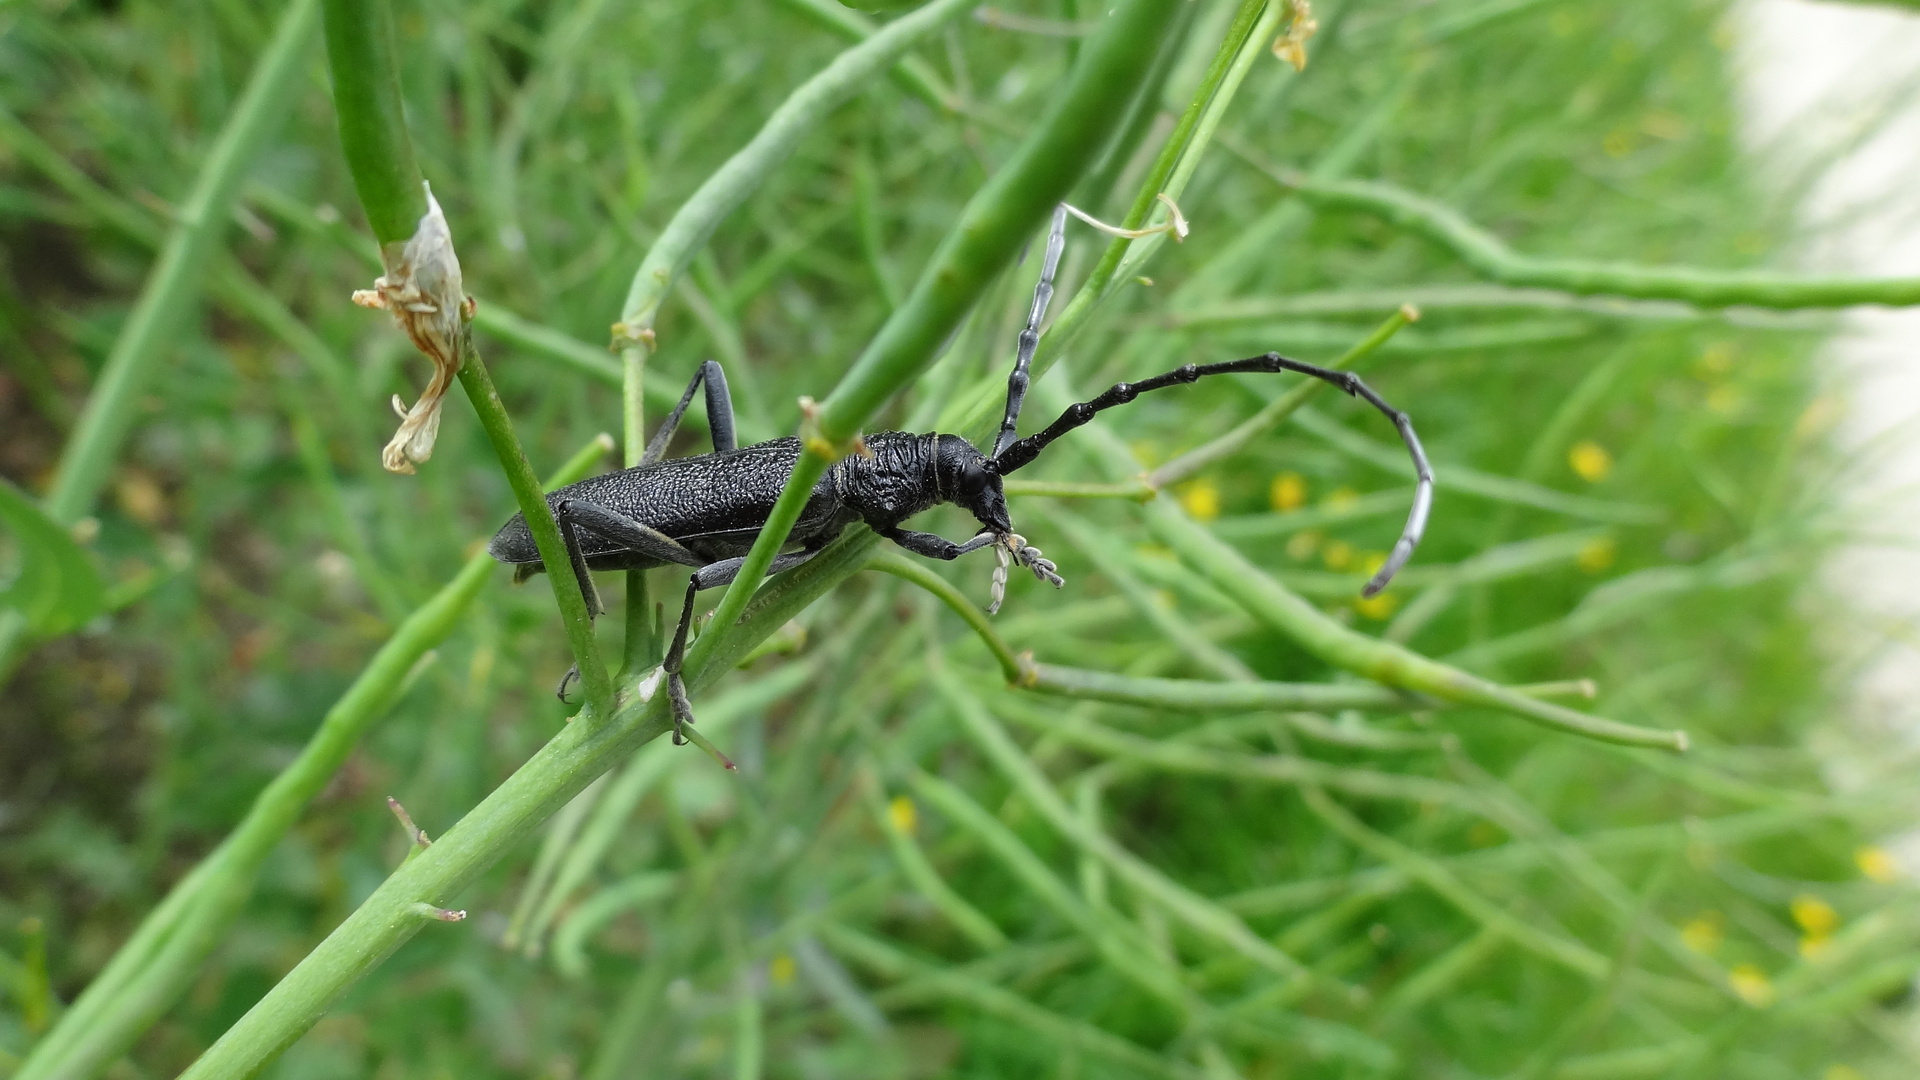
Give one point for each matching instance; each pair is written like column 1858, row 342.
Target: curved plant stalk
column 379, row 152
column 150, row 971
column 1011, row 204
column 1491, row 258
column 167, row 297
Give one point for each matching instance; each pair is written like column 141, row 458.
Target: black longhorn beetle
column 705, row 511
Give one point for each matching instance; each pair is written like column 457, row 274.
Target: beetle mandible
column 705, row 511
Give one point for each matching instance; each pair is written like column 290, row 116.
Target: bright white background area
column 1830, row 101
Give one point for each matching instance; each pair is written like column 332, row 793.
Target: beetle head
column 968, row 481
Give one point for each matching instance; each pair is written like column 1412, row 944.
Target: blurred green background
column 1634, row 494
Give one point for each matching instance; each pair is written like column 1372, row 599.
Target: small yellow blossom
column 1288, row 493
column 1341, row 499
column 1377, row 607
column 1338, row 555
column 1302, row 545
column 1202, row 500
column 1590, row 460
column 1597, row 554
column 1877, row 863
column 780, row 969
column 1703, row 932
column 1814, row 916
column 1752, row 985
column 1811, row 946
column 1372, row 561
column 902, row 815
column 1717, row 359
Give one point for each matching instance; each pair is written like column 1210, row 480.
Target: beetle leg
column 719, row 413
column 935, row 547
column 624, row 531
column 711, row 576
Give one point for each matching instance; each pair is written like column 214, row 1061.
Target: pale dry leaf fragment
column 1291, row 45
column 423, row 291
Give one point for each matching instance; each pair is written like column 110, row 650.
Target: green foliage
column 1188, row 842
column 54, row 587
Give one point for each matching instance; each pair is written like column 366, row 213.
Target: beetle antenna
column 1030, row 336
column 1020, row 454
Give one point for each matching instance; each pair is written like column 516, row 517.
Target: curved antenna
column 1020, row 454
column 1030, row 336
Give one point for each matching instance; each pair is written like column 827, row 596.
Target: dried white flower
column 422, row 289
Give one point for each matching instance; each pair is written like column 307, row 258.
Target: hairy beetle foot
column 1029, row 556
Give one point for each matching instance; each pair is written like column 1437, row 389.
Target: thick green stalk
column 510, row 813
column 1490, row 257
column 743, row 173
column 163, row 956
column 373, row 122
column 997, row 220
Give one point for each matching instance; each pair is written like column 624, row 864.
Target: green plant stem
column 574, row 612
column 564, row 766
column 1490, row 257
column 913, row 74
column 1195, row 695
column 150, row 971
column 918, row 869
column 1279, row 409
column 921, row 574
column 1056, row 1029
column 744, row 172
column 168, row 295
column 996, row 221
column 373, row 126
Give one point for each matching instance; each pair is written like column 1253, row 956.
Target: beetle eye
column 973, row 479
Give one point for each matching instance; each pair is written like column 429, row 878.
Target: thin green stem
column 1490, row 257
column 163, row 956
column 574, row 612
column 910, row 72
column 922, row 575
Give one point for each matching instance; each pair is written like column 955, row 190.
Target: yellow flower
column 1338, row 555
column 1752, row 985
column 1590, row 460
column 1812, row 945
column 1202, row 500
column 1302, row 545
column 1377, row 607
column 902, row 815
column 1876, row 863
column 1702, row 934
column 1597, row 554
column 1815, row 916
column 780, row 969
column 1288, row 493
column 1341, row 498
